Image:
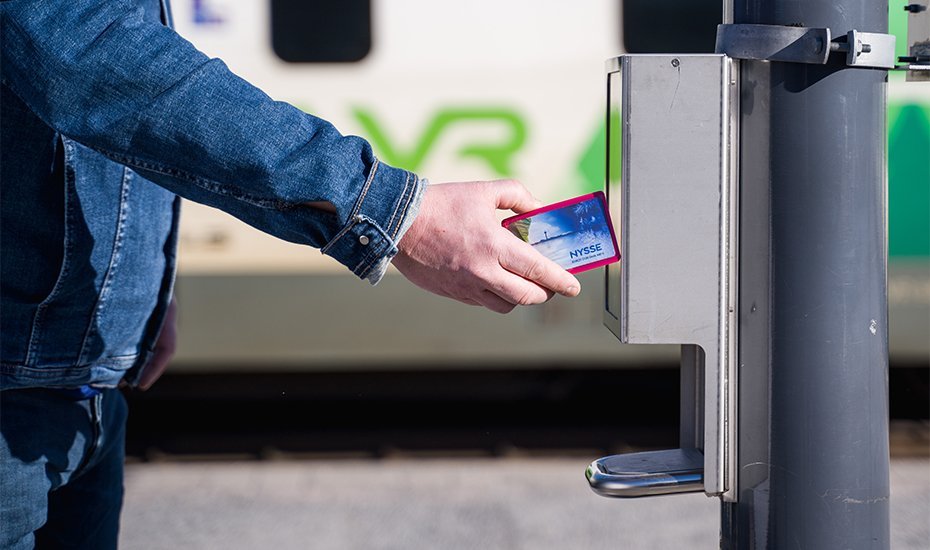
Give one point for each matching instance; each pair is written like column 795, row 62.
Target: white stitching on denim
column 69, row 176
column 352, row 223
column 367, row 258
column 399, row 200
column 52, row 369
column 361, row 197
column 107, row 370
column 406, row 207
column 113, row 263
column 206, row 184
column 375, row 253
column 368, row 262
column 375, row 249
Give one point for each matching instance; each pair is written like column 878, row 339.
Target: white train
column 460, row 91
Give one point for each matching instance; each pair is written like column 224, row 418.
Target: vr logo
column 498, row 156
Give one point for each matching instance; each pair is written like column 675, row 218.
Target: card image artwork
column 575, row 233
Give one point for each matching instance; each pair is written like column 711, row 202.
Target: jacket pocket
column 89, row 352
column 64, row 167
column 63, row 327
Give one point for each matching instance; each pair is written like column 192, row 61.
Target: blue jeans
column 61, row 466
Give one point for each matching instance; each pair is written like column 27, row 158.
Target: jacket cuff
column 378, row 220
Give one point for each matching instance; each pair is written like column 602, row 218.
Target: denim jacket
column 106, row 115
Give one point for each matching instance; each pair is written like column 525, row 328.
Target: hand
column 164, row 348
column 457, row 248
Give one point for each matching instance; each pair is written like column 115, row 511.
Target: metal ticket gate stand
column 673, row 117
column 751, row 208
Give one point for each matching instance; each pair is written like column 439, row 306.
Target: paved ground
column 482, row 503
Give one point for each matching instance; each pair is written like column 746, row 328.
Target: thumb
column 512, row 195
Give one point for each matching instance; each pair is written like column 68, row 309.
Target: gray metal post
column 813, row 400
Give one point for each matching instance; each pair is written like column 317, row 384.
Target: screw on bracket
column 844, row 47
column 877, row 52
column 915, row 8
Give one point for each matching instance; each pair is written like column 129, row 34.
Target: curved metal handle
column 647, row 474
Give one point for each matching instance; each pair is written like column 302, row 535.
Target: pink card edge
column 562, row 204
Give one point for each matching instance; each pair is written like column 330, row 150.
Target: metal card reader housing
column 672, row 192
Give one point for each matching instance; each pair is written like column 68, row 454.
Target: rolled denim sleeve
column 367, row 243
column 111, row 76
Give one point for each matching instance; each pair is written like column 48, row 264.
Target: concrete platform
column 438, row 503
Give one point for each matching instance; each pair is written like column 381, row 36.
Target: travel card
column 575, row 233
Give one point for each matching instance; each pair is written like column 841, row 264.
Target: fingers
column 512, row 195
column 494, row 302
column 466, row 301
column 518, row 291
column 521, row 259
column 155, row 367
column 480, row 263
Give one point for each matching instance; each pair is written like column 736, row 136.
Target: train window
column 673, row 26
column 321, row 31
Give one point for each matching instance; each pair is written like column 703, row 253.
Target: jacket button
column 363, row 239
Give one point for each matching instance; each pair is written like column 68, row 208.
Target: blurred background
column 306, row 403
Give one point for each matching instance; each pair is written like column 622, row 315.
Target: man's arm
column 112, row 77
column 105, row 74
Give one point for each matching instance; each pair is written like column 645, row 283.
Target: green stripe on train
column 908, row 180
column 908, row 177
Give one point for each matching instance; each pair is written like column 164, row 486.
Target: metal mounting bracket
column 804, row 45
column 867, row 49
column 918, row 42
column 774, row 43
